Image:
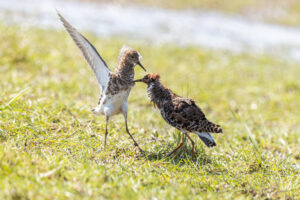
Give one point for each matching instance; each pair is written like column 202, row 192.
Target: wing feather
column 188, row 116
column 90, row 54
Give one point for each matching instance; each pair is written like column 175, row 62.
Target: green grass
column 52, row 145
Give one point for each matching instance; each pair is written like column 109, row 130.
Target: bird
column 179, row 112
column 115, row 85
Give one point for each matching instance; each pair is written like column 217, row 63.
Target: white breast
column 114, row 104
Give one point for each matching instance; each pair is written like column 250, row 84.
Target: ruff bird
column 181, row 113
column 115, row 86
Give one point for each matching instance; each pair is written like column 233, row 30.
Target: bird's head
column 149, row 78
column 131, row 56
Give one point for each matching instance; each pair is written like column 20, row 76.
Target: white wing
column 90, row 54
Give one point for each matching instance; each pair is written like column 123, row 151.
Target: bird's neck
column 126, row 70
column 158, row 93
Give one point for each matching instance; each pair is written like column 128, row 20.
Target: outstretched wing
column 90, row 54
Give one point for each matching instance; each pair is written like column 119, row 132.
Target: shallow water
column 205, row 29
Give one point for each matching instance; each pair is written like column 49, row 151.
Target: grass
column 52, row 145
column 272, row 11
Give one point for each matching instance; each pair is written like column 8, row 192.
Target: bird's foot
column 141, row 150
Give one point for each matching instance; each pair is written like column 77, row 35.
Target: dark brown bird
column 115, row 86
column 181, row 113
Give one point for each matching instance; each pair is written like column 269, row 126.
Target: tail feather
column 207, row 139
column 210, row 127
column 217, row 129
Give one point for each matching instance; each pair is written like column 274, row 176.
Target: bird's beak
column 141, row 66
column 138, row 80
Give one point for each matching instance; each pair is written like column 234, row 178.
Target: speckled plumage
column 115, row 86
column 181, row 113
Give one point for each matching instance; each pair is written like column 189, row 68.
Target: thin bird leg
column 178, row 147
column 106, row 132
column 193, row 145
column 127, row 130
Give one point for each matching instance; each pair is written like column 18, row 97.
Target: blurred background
column 261, row 26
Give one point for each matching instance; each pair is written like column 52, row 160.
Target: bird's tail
column 210, row 127
column 207, row 139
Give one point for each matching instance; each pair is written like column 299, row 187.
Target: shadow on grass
column 181, row 157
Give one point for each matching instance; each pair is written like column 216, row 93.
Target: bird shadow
column 181, row 157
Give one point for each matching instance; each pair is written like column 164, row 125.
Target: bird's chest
column 115, row 102
column 117, row 85
column 118, row 98
column 150, row 91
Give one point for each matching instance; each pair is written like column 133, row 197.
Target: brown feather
column 180, row 112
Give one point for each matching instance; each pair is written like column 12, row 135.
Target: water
column 204, row 29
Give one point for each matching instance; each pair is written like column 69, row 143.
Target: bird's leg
column 179, row 146
column 127, row 130
column 107, row 118
column 193, row 145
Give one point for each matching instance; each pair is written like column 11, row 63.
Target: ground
column 52, row 144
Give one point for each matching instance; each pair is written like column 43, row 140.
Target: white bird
column 115, row 86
